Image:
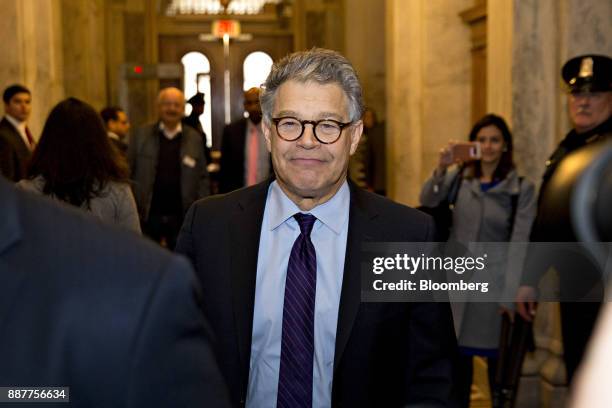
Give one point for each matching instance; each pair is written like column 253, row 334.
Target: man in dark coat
column 279, row 264
column 244, row 157
column 589, row 82
column 16, row 141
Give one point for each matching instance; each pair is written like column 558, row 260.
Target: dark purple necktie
column 297, row 347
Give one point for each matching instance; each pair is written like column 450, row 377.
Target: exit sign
column 222, row 27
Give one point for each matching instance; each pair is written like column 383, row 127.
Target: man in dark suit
column 16, row 141
column 117, row 126
column 244, row 158
column 279, row 264
column 86, row 306
column 168, row 169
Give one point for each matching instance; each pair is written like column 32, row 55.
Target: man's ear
column 267, row 132
column 356, row 131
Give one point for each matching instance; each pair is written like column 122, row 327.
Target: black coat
column 386, row 354
column 99, row 310
column 14, row 154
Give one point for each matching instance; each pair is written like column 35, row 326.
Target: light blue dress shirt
column 278, row 232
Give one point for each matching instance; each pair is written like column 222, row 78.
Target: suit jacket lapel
column 360, row 217
column 245, row 230
column 10, row 233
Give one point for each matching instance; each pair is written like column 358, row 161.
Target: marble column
column 365, row 27
column 427, row 86
column 84, row 48
column 31, row 53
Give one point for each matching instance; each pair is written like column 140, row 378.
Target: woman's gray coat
column 485, row 217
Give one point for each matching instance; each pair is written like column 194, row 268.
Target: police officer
column 197, row 108
column 588, row 79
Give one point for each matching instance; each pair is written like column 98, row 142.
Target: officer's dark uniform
column 588, row 73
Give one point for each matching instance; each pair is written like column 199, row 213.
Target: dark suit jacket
column 387, row 354
column 14, row 154
column 231, row 176
column 143, row 152
column 99, row 310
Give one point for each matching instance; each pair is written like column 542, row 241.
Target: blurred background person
column 16, row 140
column 117, row 126
column 367, row 167
column 245, row 160
column 75, row 163
column 168, row 169
column 193, row 119
column 493, row 204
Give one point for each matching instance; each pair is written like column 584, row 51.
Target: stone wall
column 31, row 53
column 428, row 88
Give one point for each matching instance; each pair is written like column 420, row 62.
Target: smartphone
column 466, row 151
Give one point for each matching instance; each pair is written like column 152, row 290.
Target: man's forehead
column 326, row 99
column 21, row 96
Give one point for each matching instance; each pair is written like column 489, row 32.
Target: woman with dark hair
column 74, row 162
column 492, row 204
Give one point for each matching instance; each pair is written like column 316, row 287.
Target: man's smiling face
column 306, row 168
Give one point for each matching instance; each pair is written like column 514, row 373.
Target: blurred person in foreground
column 588, row 79
column 493, row 204
column 101, row 311
column 75, row 163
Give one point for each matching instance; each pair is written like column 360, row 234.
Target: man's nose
column 308, row 138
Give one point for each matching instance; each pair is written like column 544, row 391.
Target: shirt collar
column 333, row 213
column 18, row 124
column 170, row 134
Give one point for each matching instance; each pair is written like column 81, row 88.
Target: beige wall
column 57, row 49
column 365, row 48
column 427, row 86
column 31, row 53
column 84, row 50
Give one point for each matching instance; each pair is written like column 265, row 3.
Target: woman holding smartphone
column 493, row 204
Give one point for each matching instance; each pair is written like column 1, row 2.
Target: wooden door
column 173, row 47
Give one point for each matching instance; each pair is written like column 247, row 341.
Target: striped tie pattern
column 297, row 346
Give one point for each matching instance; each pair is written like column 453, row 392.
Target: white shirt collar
column 113, row 135
column 170, row 134
column 21, row 129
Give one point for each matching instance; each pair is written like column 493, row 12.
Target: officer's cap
column 197, row 99
column 588, row 73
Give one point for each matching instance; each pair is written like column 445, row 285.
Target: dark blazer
column 143, row 152
column 231, row 174
column 99, row 310
column 387, row 354
column 14, row 154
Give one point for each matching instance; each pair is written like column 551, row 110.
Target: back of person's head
column 318, row 65
column 110, row 113
column 506, row 162
column 74, row 154
column 13, row 90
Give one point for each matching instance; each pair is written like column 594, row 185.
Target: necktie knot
column 306, row 222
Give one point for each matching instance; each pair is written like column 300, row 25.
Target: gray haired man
column 280, row 263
